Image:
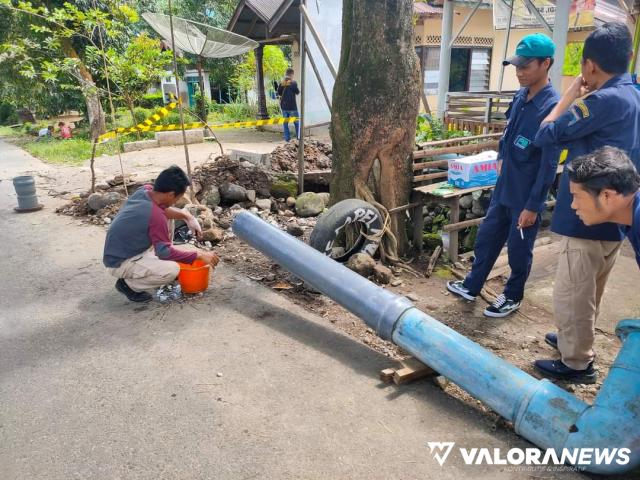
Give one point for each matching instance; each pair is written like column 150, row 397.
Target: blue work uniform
column 609, row 116
column 527, row 173
column 633, row 232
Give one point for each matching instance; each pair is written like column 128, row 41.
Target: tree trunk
column 262, row 98
column 375, row 104
column 133, row 115
column 92, row 99
column 202, row 110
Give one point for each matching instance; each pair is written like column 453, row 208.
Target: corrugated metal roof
column 265, row 8
column 423, row 9
column 609, row 11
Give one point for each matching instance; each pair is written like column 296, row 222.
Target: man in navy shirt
column 526, row 174
column 609, row 115
column 287, row 91
column 605, row 186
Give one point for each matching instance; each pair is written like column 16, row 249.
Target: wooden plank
column 465, row 116
column 454, row 227
column 437, row 143
column 476, row 103
column 454, row 216
column 456, row 192
column 470, row 148
column 386, row 375
column 433, row 259
column 465, row 104
column 486, row 293
column 431, row 164
column 430, row 176
column 412, row 370
column 485, row 94
column 405, row 207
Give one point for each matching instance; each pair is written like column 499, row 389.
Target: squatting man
column 138, row 250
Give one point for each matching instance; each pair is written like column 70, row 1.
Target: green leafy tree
column 142, row 64
column 54, row 46
column 573, row 59
column 211, row 12
column 274, row 65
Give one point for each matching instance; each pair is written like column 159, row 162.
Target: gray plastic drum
column 25, row 187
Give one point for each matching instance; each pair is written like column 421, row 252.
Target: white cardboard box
column 474, row 171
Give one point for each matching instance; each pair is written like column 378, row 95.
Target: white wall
column 326, row 15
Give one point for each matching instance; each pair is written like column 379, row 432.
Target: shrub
column 201, row 101
column 8, row 114
column 239, row 111
column 141, row 114
column 215, row 107
column 274, row 109
column 152, row 100
column 429, row 129
column 174, row 118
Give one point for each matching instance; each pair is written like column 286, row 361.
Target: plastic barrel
column 25, row 187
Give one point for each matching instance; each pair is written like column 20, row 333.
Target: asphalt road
column 239, row 384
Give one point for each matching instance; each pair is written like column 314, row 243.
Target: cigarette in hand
column 521, row 233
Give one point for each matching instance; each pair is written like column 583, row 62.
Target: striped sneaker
column 459, row 289
column 502, row 307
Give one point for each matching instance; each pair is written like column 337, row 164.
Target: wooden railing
column 477, row 112
column 425, row 157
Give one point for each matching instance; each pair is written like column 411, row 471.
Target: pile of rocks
column 226, row 170
column 222, row 187
column 317, row 156
column 472, row 206
column 363, row 264
column 436, row 216
column 97, row 208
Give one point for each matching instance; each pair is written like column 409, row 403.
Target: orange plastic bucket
column 194, row 278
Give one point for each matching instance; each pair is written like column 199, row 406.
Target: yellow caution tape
column 193, row 125
column 142, row 126
column 147, row 125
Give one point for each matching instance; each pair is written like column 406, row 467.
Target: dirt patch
column 225, row 170
column 317, row 156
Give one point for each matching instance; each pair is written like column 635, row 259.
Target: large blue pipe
column 541, row 412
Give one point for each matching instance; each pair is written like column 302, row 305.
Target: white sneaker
column 502, row 307
column 459, row 289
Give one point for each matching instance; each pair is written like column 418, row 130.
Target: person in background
column 138, row 250
column 45, row 132
column 65, row 130
column 605, row 187
column 526, row 174
column 600, row 108
column 287, row 91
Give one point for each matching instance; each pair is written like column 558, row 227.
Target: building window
column 470, row 69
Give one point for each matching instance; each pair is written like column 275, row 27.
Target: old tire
column 331, row 224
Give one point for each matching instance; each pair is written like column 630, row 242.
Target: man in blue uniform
column 609, row 115
column 605, row 187
column 526, row 174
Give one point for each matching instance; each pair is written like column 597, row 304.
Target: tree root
column 387, row 241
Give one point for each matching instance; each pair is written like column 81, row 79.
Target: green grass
column 9, row 132
column 77, row 150
column 74, row 151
